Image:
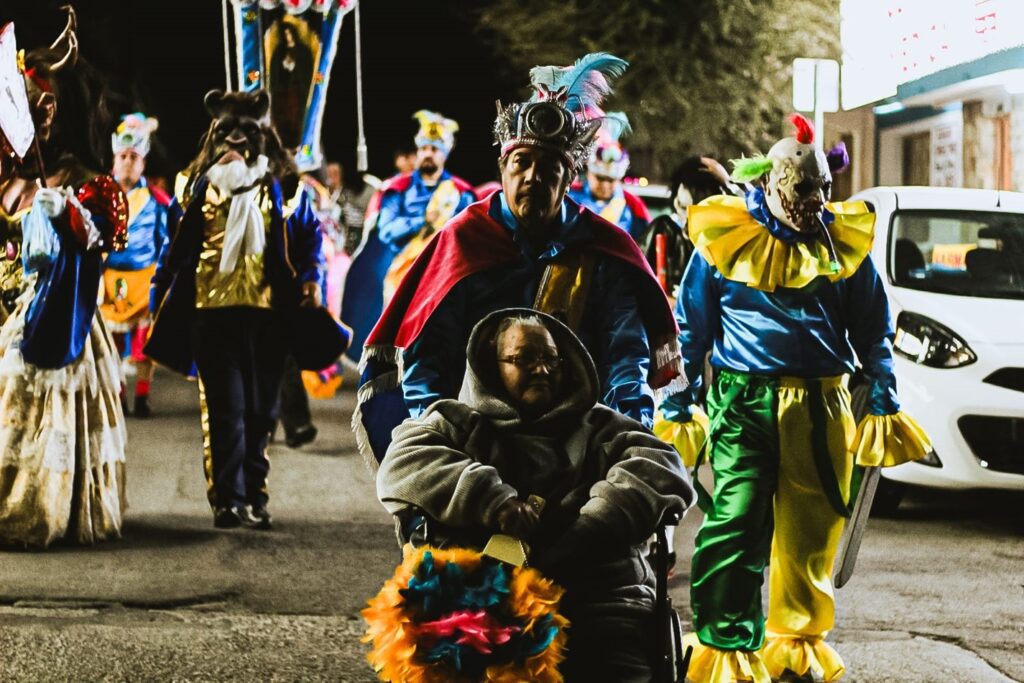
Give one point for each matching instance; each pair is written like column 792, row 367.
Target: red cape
column 637, row 206
column 473, row 242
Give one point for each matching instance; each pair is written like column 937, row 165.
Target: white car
column 952, row 261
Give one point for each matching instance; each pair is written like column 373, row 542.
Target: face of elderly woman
column 530, row 367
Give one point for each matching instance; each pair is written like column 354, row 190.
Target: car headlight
column 927, row 342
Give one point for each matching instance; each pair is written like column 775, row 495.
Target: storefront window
column 969, row 253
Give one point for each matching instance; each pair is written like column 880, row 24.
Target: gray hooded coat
column 594, row 467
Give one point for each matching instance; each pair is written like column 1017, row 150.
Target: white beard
column 244, row 232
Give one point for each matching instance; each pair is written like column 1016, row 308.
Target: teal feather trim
column 584, row 85
column 744, row 170
column 616, row 124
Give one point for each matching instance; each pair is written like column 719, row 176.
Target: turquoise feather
column 585, row 83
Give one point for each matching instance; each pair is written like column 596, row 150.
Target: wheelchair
column 670, row 663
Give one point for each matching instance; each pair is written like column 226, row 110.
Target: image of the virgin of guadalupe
column 293, row 49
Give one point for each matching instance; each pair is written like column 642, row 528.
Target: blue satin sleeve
column 160, row 235
column 306, row 243
column 871, row 333
column 626, row 349
column 163, row 276
column 637, row 226
column 465, row 199
column 60, row 316
column 393, row 228
column 435, row 363
column 698, row 314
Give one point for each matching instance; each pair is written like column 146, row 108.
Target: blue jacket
column 292, row 257
column 60, row 316
column 147, row 235
column 631, row 220
column 402, row 213
column 612, row 329
column 810, row 332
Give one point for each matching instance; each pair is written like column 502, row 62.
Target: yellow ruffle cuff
column 711, row 665
column 801, row 655
column 743, row 250
column 686, row 437
column 888, row 440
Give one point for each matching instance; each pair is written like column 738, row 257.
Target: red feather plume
column 804, row 128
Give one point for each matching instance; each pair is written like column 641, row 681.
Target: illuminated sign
column 889, row 42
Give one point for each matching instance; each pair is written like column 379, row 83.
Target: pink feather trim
column 479, row 630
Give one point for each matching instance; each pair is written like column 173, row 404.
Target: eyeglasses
column 530, row 362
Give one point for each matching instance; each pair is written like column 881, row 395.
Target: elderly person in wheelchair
column 527, row 424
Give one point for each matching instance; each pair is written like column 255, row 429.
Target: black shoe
column 300, row 437
column 141, row 407
column 234, row 517
column 264, row 522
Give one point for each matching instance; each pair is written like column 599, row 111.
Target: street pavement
column 938, row 595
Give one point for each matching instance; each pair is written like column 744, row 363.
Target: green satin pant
column 769, row 455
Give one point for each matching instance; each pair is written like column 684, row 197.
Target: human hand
column 517, row 518
column 312, row 297
column 51, row 201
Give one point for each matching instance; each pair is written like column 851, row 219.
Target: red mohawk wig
column 804, row 128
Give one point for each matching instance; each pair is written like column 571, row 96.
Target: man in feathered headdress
column 405, row 213
column 528, row 245
column 602, row 192
column 413, row 208
column 783, row 293
column 128, row 273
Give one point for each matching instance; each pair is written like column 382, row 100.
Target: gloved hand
column 51, row 201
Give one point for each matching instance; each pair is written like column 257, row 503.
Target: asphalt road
column 938, row 595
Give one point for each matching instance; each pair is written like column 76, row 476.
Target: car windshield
column 968, row 253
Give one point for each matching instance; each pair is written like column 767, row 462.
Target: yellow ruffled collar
column 743, row 250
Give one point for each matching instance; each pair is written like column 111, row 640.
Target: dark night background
column 164, row 56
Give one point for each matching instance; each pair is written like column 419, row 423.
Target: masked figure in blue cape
column 127, row 273
column 527, row 245
column 601, row 190
column 62, row 432
column 406, row 213
column 783, row 294
column 239, row 288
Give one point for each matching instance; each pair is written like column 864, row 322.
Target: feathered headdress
column 565, row 112
column 435, row 130
column 134, row 132
column 609, row 158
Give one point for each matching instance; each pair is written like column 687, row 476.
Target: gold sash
column 564, row 287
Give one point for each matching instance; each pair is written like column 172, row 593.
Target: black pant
column 240, row 355
column 294, row 400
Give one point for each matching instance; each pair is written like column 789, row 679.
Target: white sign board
column 815, row 85
column 947, row 155
column 15, row 116
column 890, row 42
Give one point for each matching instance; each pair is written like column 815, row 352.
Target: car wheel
column 890, row 493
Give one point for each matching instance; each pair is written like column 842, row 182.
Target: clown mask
column 799, row 182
